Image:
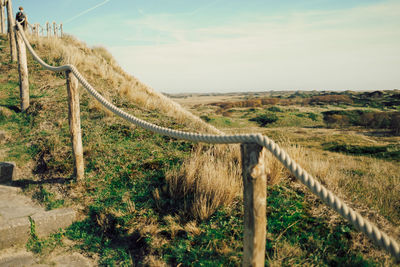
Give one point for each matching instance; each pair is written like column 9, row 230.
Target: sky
column 205, row 46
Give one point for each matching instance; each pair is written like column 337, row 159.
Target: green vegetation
column 43, row 246
column 47, row 198
column 205, row 118
column 129, row 216
column 366, row 118
column 391, row 152
column 275, row 109
column 265, row 119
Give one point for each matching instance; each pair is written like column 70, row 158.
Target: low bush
column 368, row 119
column 312, row 116
column 275, row 109
column 395, row 123
column 385, row 152
column 265, row 119
column 331, row 99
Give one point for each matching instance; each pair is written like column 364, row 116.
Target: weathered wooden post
column 2, row 18
column 75, row 124
column 48, row 29
column 11, row 35
column 37, row 29
column 22, row 69
column 61, row 31
column 255, row 202
column 54, row 29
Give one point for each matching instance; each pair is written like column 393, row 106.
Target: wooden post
column 61, row 31
column 2, row 18
column 54, row 29
column 48, row 29
column 11, row 35
column 75, row 124
column 22, row 70
column 37, row 29
column 255, row 202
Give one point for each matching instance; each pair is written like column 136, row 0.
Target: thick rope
column 379, row 237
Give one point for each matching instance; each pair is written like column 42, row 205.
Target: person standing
column 22, row 18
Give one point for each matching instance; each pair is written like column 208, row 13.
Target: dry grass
column 153, row 261
column 286, row 254
column 207, row 180
column 371, row 186
column 210, row 176
column 99, row 67
column 4, row 112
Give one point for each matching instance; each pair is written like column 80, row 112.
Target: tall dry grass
column 210, row 177
column 369, row 185
column 100, row 68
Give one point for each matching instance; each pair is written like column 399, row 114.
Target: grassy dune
column 150, row 200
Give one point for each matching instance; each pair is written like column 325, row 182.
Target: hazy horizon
column 230, row 46
column 272, row 90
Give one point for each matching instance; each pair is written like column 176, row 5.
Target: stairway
column 17, row 212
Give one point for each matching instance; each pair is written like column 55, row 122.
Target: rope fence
column 253, row 147
column 51, row 30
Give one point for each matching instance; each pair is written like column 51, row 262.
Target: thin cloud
column 203, row 8
column 87, row 11
column 336, row 49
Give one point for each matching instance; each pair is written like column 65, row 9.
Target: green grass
column 43, row 246
column 289, row 220
column 48, row 199
column 391, row 152
column 287, row 118
column 124, row 168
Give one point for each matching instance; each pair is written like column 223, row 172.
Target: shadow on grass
column 16, row 109
column 24, row 183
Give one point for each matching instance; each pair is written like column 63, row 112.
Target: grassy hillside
column 150, row 200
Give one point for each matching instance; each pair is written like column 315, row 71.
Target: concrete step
column 16, row 210
column 13, row 257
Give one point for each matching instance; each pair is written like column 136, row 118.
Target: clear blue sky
column 232, row 45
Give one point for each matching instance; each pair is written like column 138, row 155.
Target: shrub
column 205, row 118
column 336, row 119
column 312, row 116
column 265, row 119
column 227, row 113
column 331, row 99
column 343, row 117
column 274, row 109
column 395, row 123
column 270, row 101
column 390, row 152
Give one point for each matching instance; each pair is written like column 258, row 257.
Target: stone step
column 19, row 257
column 16, row 211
